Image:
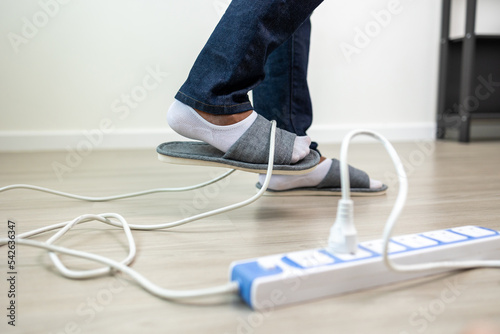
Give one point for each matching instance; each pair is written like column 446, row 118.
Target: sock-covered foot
column 187, row 122
column 311, row 179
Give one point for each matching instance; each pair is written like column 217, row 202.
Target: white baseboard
column 80, row 140
column 15, row 141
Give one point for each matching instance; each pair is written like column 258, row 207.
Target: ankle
column 224, row 119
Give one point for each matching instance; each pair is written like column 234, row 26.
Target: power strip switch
column 283, row 279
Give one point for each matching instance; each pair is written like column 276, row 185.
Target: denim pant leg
column 232, row 62
column 284, row 94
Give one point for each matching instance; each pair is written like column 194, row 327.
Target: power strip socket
column 282, row 279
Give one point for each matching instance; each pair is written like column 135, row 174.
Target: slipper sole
column 202, row 154
column 355, row 192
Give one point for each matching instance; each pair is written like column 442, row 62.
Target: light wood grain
column 450, row 185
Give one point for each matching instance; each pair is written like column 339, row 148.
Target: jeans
column 259, row 45
column 284, row 96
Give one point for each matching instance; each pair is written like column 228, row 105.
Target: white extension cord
column 346, row 219
column 346, row 241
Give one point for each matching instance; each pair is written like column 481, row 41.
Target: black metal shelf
column 482, row 37
column 469, row 79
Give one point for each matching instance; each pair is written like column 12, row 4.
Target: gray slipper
column 330, row 185
column 249, row 153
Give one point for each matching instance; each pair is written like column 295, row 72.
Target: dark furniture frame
column 468, row 67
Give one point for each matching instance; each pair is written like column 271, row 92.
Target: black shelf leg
column 443, row 68
column 468, row 70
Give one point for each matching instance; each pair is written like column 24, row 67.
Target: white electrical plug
column 343, row 235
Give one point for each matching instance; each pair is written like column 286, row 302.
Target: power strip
column 282, row 279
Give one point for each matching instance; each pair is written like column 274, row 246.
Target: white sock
column 311, row 179
column 187, row 122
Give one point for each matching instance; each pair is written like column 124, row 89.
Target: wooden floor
column 451, row 184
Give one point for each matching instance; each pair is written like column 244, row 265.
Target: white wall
column 391, row 83
column 67, row 67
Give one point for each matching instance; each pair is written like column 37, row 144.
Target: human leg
column 284, row 96
column 213, row 102
column 233, row 59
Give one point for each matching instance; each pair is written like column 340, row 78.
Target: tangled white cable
column 116, row 220
column 347, row 242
